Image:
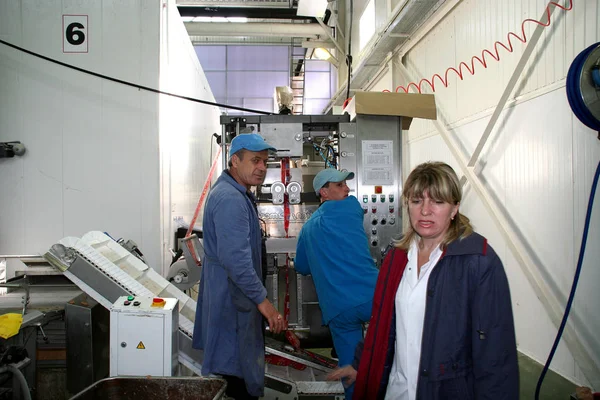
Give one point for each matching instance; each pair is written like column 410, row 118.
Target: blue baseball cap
column 330, row 175
column 249, row 141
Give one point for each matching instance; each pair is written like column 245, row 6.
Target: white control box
column 143, row 336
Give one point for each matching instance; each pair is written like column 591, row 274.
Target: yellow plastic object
column 10, row 324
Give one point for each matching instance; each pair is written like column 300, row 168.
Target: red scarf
column 372, row 361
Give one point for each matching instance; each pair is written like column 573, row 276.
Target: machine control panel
column 131, row 303
column 143, row 336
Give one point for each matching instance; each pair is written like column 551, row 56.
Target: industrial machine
column 369, row 146
column 111, row 273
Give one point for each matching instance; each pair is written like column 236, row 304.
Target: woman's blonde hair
column 440, row 182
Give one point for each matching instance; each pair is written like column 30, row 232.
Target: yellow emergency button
column 158, row 302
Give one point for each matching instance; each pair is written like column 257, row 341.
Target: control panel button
column 374, row 242
column 391, row 197
column 378, row 189
column 130, row 298
column 374, row 198
column 365, row 209
column 374, row 221
column 383, row 221
column 158, row 302
column 374, row 231
column 392, row 220
column 382, row 198
column 365, row 198
column 136, row 303
column 374, row 209
column 391, row 209
column 127, row 302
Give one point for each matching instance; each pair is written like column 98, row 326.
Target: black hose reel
column 583, row 87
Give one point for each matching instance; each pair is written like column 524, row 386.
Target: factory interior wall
column 92, row 144
column 100, row 155
column 537, row 166
column 187, row 145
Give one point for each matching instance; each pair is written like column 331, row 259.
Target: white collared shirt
column 410, row 311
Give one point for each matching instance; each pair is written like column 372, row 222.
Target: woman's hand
column 347, row 374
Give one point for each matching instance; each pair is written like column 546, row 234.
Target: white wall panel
column 93, row 159
column 187, row 147
column 82, row 134
column 538, row 164
column 536, row 169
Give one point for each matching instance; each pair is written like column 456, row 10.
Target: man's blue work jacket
column 333, row 248
column 228, row 325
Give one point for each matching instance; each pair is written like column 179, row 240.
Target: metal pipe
column 223, row 147
column 19, row 256
column 327, row 30
column 24, row 286
column 255, row 29
column 14, row 369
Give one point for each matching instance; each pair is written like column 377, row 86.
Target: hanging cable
column 349, row 55
column 135, row 85
column 586, row 228
column 495, row 54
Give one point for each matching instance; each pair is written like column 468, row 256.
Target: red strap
column 372, row 362
column 200, row 202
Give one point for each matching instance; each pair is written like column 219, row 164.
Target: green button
column 130, row 298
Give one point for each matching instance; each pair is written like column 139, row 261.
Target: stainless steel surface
column 150, row 388
column 589, row 91
column 20, row 284
column 281, row 245
column 87, row 324
column 285, row 137
column 372, row 148
column 8, row 256
column 273, row 217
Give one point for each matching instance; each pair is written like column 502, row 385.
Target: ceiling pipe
column 313, row 31
column 247, row 12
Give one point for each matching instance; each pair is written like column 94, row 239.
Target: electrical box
column 143, row 336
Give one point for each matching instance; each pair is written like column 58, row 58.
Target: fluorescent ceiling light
column 187, row 19
column 218, row 19
column 322, row 54
column 237, row 19
column 312, row 8
column 202, row 19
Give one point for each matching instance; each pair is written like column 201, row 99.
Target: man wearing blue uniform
column 334, row 249
column 232, row 299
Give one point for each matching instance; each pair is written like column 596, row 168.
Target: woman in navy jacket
column 442, row 324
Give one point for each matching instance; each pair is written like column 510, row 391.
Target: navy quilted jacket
column 469, row 349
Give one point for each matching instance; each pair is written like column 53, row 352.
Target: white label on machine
column 378, row 162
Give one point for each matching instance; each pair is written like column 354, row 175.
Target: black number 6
column 73, row 36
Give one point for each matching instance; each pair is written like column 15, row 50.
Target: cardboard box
column 406, row 105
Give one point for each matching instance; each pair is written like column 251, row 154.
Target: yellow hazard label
column 141, row 346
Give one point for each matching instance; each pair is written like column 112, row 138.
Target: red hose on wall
column 495, row 54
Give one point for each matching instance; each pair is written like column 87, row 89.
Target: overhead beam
column 248, row 12
column 313, row 31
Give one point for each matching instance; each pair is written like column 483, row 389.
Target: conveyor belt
column 104, row 270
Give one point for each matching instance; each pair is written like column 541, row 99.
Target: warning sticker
column 141, row 346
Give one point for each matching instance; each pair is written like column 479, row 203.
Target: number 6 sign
column 75, row 31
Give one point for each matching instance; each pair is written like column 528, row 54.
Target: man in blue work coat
column 232, row 299
column 333, row 248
